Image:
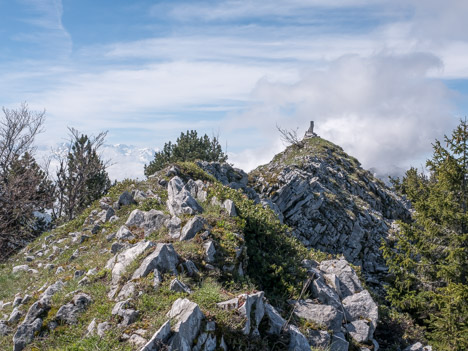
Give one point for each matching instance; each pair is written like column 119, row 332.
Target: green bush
column 188, row 147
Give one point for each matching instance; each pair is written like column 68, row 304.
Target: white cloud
column 384, row 109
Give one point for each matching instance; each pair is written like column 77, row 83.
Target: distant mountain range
column 126, row 161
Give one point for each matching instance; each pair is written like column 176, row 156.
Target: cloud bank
column 384, row 109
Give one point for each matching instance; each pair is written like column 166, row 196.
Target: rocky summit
column 330, row 202
column 202, row 256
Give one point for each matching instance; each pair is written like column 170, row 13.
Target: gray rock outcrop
column 180, row 200
column 69, row 313
column 150, row 221
column 164, row 258
column 121, row 261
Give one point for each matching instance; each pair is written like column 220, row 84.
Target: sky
column 382, row 79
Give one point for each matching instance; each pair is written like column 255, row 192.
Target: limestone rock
column 124, row 234
column 69, row 313
column 210, row 251
column 125, row 310
column 192, row 227
column 126, row 199
column 360, row 306
column 418, row 347
column 15, row 316
column 4, row 329
column 188, row 317
column 159, row 338
column 339, row 342
column 150, row 221
column 253, row 303
column 21, row 268
column 276, row 322
column 180, row 200
column 173, row 225
column 324, row 315
column 349, row 280
column 230, row 208
column 25, row 334
column 164, row 258
column 121, row 261
column 318, row 338
column 102, row 328
column 324, row 293
column 359, row 330
column 177, row 286
column 297, row 342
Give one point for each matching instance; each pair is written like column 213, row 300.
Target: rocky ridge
column 330, row 202
column 166, row 265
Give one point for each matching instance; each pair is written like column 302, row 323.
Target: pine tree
column 188, row 147
column 82, row 177
column 429, row 259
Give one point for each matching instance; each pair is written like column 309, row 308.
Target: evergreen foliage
column 429, row 258
column 82, row 177
column 188, row 147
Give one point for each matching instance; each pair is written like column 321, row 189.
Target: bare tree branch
column 289, row 137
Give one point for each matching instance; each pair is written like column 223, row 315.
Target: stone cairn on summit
column 310, row 132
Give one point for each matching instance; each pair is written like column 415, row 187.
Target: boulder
column 157, row 280
column 21, row 268
column 180, row 200
column 297, row 341
column 25, row 334
column 323, row 315
column 127, row 291
column 210, row 251
column 173, row 225
column 126, row 199
column 15, row 316
column 124, row 234
column 230, row 208
column 159, row 338
column 4, row 329
column 275, row 321
column 359, row 330
column 164, row 258
column 150, row 221
column 192, row 227
column 191, row 268
column 188, row 317
column 349, row 280
column 52, row 289
column 339, row 343
column 318, row 338
column 324, row 293
column 102, row 328
column 177, row 286
column 359, row 306
column 253, row 309
column 68, row 313
column 125, row 310
column 119, row 263
column 38, row 309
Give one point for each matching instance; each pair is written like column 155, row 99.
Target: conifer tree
column 188, row 147
column 429, row 258
column 82, row 176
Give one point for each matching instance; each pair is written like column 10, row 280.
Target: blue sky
column 383, row 79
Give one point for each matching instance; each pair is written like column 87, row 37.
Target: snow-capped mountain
column 125, row 161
